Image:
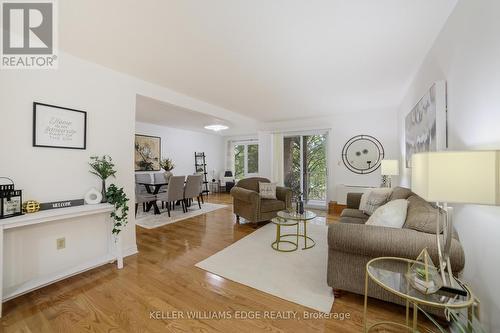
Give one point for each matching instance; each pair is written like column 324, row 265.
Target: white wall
column 381, row 124
column 467, row 55
column 48, row 174
column 180, row 145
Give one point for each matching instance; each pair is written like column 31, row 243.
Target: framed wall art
column 147, row 153
column 425, row 125
column 59, row 127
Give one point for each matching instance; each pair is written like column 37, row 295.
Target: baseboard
column 41, row 282
column 130, row 251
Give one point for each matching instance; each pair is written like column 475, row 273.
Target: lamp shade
column 457, row 176
column 228, row 174
column 390, row 167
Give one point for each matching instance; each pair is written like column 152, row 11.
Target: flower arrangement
column 167, row 164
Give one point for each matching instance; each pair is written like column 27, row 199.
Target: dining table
column 154, row 189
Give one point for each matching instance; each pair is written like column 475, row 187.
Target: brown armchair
column 248, row 204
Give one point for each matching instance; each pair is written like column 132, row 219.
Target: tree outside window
column 246, row 159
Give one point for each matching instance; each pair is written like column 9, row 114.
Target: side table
column 389, row 274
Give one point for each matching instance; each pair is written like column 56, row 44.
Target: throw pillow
column 392, row 214
column 375, row 198
column 422, row 216
column 267, row 190
column 362, row 201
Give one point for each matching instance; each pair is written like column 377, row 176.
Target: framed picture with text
column 59, row 127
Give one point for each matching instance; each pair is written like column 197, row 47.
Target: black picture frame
column 135, row 151
column 35, row 110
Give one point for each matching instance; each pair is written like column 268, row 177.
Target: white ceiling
column 150, row 110
column 266, row 59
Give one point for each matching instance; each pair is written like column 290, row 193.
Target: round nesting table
column 289, row 218
column 389, row 274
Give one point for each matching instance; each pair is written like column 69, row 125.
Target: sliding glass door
column 305, row 167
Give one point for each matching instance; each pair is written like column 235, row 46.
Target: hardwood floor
column 162, row 277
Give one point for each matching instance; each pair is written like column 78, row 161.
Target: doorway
column 305, row 167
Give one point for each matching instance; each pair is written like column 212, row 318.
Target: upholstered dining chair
column 175, row 192
column 193, row 189
column 142, row 197
column 159, row 178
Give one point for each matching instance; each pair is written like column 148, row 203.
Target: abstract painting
column 425, row 125
column 147, row 153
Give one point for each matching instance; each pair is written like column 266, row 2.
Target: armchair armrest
column 353, row 200
column 245, row 195
column 284, row 194
column 375, row 241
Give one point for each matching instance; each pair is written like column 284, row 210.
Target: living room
column 311, row 104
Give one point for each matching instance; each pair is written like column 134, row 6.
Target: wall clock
column 362, row 154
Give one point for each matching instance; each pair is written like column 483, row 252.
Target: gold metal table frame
column 410, row 299
column 290, row 219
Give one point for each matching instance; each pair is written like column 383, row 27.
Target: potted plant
column 168, row 165
column 102, row 167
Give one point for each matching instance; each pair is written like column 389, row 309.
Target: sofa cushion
column 421, row 215
column 270, row 205
column 391, row 215
column 400, row 193
column 352, row 220
column 356, row 213
column 375, row 199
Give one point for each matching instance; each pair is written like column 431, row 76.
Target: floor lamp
column 466, row 177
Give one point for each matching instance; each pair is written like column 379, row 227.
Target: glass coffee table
column 389, row 274
column 289, row 218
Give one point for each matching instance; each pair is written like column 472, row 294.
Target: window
column 246, row 159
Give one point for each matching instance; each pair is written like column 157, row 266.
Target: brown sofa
column 351, row 243
column 248, row 204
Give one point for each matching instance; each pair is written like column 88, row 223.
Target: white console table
column 48, row 216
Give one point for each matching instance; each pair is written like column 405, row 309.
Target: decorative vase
column 103, row 192
column 93, row 197
column 168, row 174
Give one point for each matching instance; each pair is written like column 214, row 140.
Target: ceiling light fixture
column 216, row 128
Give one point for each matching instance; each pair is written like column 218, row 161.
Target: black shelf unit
column 200, row 166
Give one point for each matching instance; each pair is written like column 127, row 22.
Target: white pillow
column 392, row 214
column 267, row 190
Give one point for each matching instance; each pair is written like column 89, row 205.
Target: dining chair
column 141, row 193
column 193, row 188
column 175, row 192
column 159, row 178
column 142, row 197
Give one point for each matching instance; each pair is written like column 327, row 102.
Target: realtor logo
column 28, row 35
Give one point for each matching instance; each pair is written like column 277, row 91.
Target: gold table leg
column 415, row 314
column 305, row 234
column 366, row 304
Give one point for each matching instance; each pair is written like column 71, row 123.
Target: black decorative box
column 11, row 200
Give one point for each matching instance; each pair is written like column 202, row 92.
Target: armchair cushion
column 267, row 190
column 271, row 205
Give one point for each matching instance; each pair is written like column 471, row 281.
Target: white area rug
column 298, row 277
column 150, row 221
